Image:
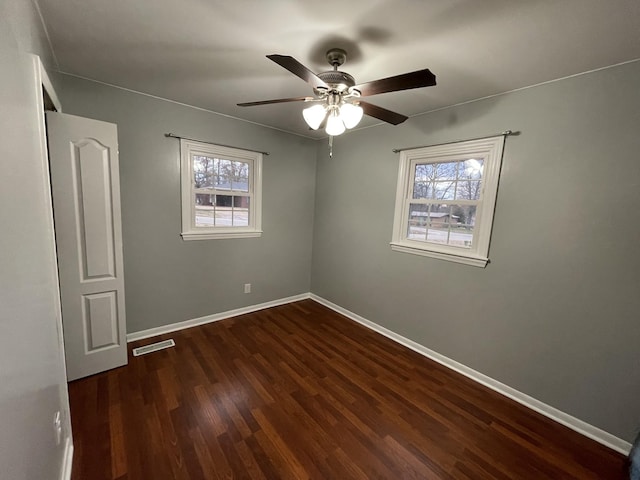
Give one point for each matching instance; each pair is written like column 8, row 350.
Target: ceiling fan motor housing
column 337, row 80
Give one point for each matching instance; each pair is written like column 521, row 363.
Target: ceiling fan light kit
column 337, row 96
column 314, row 115
column 339, row 114
column 351, row 114
column 335, row 126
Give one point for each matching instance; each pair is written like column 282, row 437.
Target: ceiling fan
column 337, row 103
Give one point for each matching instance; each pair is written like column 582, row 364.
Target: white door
column 86, row 206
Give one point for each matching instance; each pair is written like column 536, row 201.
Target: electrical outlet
column 247, row 288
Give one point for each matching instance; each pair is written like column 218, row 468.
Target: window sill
column 188, row 236
column 464, row 259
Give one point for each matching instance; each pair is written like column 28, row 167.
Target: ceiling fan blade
column 382, row 113
column 298, row 69
column 406, row 81
column 277, row 100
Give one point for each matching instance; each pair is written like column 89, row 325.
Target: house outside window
column 221, row 191
column 445, row 200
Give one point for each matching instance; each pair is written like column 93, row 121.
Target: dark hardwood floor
column 298, row 392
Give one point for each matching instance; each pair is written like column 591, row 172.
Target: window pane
column 444, row 190
column 468, row 190
column 223, row 174
column 223, row 212
column 424, row 171
column 444, row 224
column 205, row 199
column 223, row 200
column 422, row 189
column 240, row 211
column 435, row 171
column 240, row 176
column 472, row 169
column 438, row 223
column 462, row 225
column 204, row 171
column 210, row 172
column 418, row 219
column 423, row 181
column 448, row 180
column 438, row 232
column 240, row 202
column 204, row 210
column 435, row 180
column 447, row 171
column 464, row 214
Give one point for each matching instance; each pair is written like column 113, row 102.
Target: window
column 221, row 191
column 445, row 200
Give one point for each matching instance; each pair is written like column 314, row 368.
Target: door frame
column 44, row 85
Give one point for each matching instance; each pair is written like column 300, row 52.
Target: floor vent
column 154, row 347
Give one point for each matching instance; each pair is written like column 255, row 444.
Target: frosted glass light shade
column 351, row 114
column 334, row 125
column 314, row 115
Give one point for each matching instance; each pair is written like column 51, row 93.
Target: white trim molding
column 216, row 317
column 47, row 84
column 44, row 85
column 465, row 260
column 469, row 184
column 67, row 460
column 213, row 236
column 252, row 196
column 584, row 428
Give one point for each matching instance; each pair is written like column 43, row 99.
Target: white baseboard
column 553, row 413
column 174, row 327
column 67, row 460
column 595, row 433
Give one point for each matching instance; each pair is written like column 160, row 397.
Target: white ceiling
column 211, row 53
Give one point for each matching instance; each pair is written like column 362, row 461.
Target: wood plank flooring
column 298, row 391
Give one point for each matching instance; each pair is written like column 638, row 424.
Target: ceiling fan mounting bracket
column 336, row 57
column 337, row 81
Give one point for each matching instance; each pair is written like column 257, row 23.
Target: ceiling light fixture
column 336, row 103
column 335, row 125
column 339, row 113
column 314, row 115
column 351, row 114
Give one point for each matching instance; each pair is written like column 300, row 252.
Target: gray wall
column 32, row 376
column 168, row 280
column 555, row 313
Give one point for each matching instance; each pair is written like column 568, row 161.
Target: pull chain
column 330, row 146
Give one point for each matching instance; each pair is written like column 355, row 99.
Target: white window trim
column 189, row 231
column 490, row 150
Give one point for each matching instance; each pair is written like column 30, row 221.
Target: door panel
column 91, row 163
column 100, row 320
column 86, row 200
